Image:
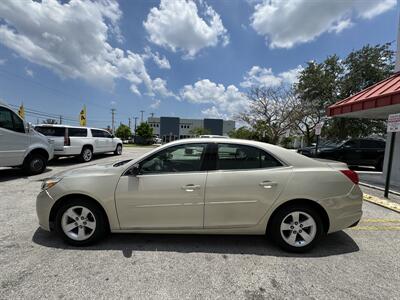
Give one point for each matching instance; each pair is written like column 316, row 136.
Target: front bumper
column 44, row 203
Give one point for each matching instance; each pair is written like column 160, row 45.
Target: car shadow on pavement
column 334, row 244
column 8, row 174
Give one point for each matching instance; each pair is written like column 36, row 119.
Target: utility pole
column 152, row 115
column 113, row 120
column 141, row 118
column 135, row 123
column 129, row 121
column 61, row 119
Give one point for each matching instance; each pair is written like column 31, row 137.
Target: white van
column 21, row 145
column 82, row 142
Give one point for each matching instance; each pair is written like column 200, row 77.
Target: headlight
column 50, row 183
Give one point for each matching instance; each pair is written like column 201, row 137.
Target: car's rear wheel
column 80, row 223
column 86, row 154
column 296, row 228
column 118, row 150
column 35, row 164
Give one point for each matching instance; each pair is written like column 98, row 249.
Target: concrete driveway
column 362, row 263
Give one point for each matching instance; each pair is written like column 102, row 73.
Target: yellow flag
column 21, row 111
column 82, row 116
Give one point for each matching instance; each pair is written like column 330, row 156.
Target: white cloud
column 72, row 39
column 159, row 86
column 177, row 25
column 2, row 61
column 258, row 76
column 161, row 61
column 29, row 72
column 285, row 23
column 155, row 104
column 226, row 102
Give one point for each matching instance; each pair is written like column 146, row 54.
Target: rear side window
column 82, row 132
column 233, row 157
column 51, row 131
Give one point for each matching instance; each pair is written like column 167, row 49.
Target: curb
column 378, row 188
column 382, row 202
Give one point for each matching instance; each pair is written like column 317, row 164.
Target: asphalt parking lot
column 363, row 262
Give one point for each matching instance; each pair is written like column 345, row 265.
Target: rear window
column 77, row 132
column 51, row 131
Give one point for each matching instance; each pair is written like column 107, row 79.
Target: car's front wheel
column 296, row 228
column 80, row 223
column 118, row 150
column 35, row 164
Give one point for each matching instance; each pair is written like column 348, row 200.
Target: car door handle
column 191, row 187
column 267, row 184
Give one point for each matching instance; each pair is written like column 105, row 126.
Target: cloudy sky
column 171, row 57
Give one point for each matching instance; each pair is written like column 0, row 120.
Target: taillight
column 353, row 176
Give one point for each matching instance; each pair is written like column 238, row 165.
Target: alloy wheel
column 298, row 229
column 87, row 154
column 78, row 223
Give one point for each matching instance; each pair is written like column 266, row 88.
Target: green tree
column 242, row 133
column 144, row 133
column 123, row 132
column 322, row 84
column 197, row 131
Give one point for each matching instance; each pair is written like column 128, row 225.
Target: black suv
column 354, row 152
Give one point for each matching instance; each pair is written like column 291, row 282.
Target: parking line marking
column 382, row 202
column 379, row 221
column 376, row 228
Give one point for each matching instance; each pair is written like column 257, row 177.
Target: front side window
column 97, row 133
column 9, row 120
column 181, row 158
column 234, row 157
column 106, row 134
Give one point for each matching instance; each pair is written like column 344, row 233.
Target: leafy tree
column 271, row 112
column 242, row 133
column 322, row 84
column 197, row 131
column 144, row 133
column 123, row 132
column 318, row 87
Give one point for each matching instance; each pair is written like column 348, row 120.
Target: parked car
column 356, row 152
column 21, row 145
column 80, row 141
column 205, row 186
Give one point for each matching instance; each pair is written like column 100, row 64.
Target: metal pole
column 389, row 167
column 141, row 118
column 61, row 119
column 316, row 146
column 112, row 120
column 129, row 123
column 135, row 123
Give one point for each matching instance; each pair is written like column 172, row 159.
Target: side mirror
column 134, row 170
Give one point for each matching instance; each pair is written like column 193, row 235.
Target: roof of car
column 69, row 126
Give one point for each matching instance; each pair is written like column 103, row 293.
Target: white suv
column 80, row 141
column 21, row 145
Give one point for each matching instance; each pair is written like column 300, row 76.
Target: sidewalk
column 376, row 179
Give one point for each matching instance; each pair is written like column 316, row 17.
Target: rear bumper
column 346, row 211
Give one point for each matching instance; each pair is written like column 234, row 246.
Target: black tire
column 379, row 165
column 86, row 154
column 35, row 164
column 275, row 228
column 100, row 220
column 118, row 150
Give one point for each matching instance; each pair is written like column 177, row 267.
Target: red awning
column 376, row 101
